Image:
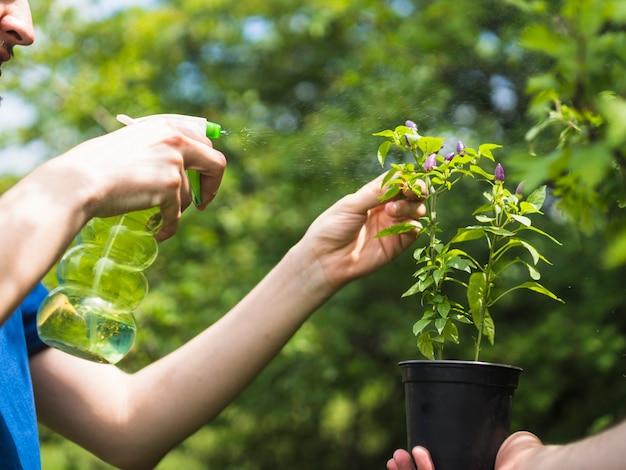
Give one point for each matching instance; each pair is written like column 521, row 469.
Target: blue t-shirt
column 19, row 440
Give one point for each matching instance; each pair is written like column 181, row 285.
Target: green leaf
column 535, row 286
column 468, row 233
column 385, row 133
column 402, row 130
column 533, row 272
column 425, row 283
column 383, row 150
column 527, row 208
column 419, row 286
column 536, row 256
column 430, row 145
column 462, row 319
column 391, row 192
column 417, row 254
column 525, row 221
column 440, row 324
column 537, row 197
column 425, row 345
column 420, row 325
column 397, row 229
column 485, row 207
column 423, row 272
column 443, row 308
column 485, row 150
column 476, row 289
column 489, row 327
column 479, row 171
column 541, row 232
column 451, row 332
column 502, row 232
column 461, row 264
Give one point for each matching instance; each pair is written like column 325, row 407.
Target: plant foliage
column 502, row 222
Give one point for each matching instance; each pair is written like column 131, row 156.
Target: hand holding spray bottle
column 197, row 124
column 101, row 279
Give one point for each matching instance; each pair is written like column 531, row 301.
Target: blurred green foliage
column 300, row 88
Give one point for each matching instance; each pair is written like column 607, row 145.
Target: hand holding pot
column 401, row 460
column 520, row 451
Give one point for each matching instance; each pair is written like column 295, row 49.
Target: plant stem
column 489, row 272
column 431, row 210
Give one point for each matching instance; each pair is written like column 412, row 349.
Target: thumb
column 367, row 197
column 514, row 447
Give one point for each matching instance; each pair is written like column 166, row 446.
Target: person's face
column 16, row 27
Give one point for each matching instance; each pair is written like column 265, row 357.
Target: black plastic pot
column 460, row 411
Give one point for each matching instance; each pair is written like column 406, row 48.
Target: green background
column 300, row 87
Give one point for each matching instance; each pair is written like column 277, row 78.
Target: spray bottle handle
column 213, row 131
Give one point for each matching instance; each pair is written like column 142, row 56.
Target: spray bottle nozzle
column 213, row 130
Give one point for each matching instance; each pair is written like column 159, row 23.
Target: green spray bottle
column 101, row 279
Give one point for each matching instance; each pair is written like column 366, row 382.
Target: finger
column 212, row 181
column 404, row 208
column 211, row 170
column 208, row 162
column 391, row 465
column 422, row 458
column 171, row 212
column 367, row 197
column 185, row 192
column 516, row 444
column 401, row 461
column 200, row 155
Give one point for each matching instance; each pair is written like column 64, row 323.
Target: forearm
column 201, row 378
column 38, row 219
column 523, row 451
column 605, row 450
column 142, row 416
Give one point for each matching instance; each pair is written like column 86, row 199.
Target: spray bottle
column 101, row 279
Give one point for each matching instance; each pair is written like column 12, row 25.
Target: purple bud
column 519, row 191
column 460, row 147
column 410, row 124
column 499, row 173
column 406, row 141
column 448, row 158
column 431, row 162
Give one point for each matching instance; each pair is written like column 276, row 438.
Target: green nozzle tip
column 213, row 130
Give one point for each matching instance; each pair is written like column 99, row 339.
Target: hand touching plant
column 502, row 222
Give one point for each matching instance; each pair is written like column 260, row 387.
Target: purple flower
column 448, row 158
column 410, row 124
column 499, row 173
column 460, row 147
column 431, row 162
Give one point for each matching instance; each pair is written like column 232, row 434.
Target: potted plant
column 460, row 410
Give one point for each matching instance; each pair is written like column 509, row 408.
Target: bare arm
column 130, row 169
column 523, row 451
column 141, row 416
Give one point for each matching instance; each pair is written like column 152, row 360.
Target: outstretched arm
column 133, row 420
